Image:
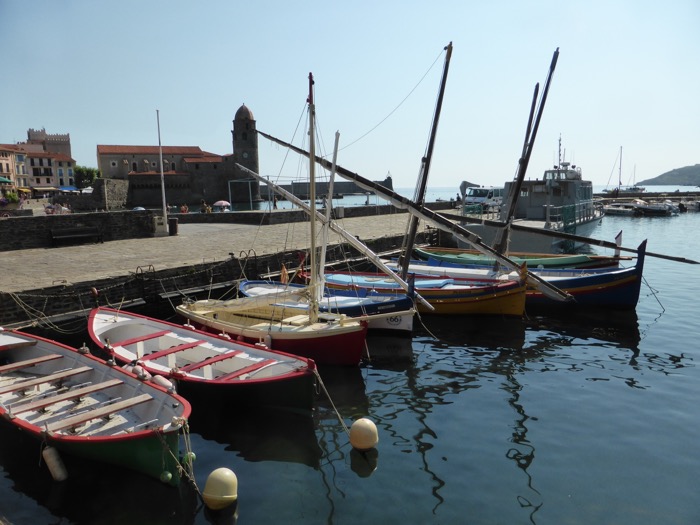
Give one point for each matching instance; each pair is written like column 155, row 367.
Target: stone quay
column 41, row 284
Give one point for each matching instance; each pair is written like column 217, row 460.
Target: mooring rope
column 323, row 387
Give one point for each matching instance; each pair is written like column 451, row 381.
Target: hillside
column 688, row 176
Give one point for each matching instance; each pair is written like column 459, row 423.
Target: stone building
column 190, row 174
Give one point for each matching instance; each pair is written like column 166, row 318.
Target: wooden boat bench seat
column 74, row 393
column 247, row 370
column 97, row 413
column 172, row 350
column 78, row 233
column 19, row 344
column 18, row 365
column 58, row 376
column 297, row 320
column 211, row 360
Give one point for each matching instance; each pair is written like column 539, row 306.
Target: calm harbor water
column 555, row 419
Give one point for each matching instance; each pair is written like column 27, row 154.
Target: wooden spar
column 432, row 218
column 501, row 242
column 445, row 224
column 313, row 286
column 349, row 238
column 410, row 239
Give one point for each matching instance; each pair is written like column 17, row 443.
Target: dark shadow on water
column 261, row 435
column 619, row 327
column 474, row 333
column 94, row 493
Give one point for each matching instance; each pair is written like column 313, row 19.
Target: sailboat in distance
column 327, row 338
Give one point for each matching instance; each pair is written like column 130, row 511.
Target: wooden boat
column 384, row 312
column 325, row 337
column 446, row 295
column 332, row 339
column 590, row 287
column 206, row 368
column 534, row 260
column 77, row 404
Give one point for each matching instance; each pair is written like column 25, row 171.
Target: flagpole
column 162, row 176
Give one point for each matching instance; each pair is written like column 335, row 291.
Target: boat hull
column 531, row 241
column 329, row 344
column 352, row 304
column 286, row 382
column 533, row 260
column 144, row 440
column 616, row 288
column 497, row 298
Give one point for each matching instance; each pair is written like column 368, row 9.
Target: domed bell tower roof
column 244, row 113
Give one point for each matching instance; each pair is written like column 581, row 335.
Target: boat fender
column 224, row 335
column 141, row 373
column 162, row 381
column 55, row 463
column 268, row 340
column 129, row 368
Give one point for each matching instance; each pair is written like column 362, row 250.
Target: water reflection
column 94, row 493
column 261, row 435
column 621, row 328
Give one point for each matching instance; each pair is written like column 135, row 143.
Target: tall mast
column 162, row 176
column 619, row 183
column 313, row 310
column 410, row 238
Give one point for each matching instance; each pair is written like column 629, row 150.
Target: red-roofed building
column 190, row 174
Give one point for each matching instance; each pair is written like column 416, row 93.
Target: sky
column 627, row 77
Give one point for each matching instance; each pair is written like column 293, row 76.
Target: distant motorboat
column 655, row 209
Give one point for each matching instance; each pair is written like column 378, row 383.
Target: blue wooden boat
column 616, row 288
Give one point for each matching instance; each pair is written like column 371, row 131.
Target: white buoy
column 363, row 434
column 55, row 463
column 221, row 489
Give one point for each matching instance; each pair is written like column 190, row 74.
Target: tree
column 85, row 176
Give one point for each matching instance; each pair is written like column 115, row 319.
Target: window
column 60, row 182
column 31, row 161
column 48, row 180
column 60, row 163
column 60, row 172
column 133, row 166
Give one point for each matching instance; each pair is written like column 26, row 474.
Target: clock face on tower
column 245, row 155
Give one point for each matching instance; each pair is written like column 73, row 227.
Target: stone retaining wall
column 20, row 233
column 72, row 301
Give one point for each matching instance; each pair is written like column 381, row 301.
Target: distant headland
column 688, row 176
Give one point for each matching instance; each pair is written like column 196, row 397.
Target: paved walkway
column 23, row 270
